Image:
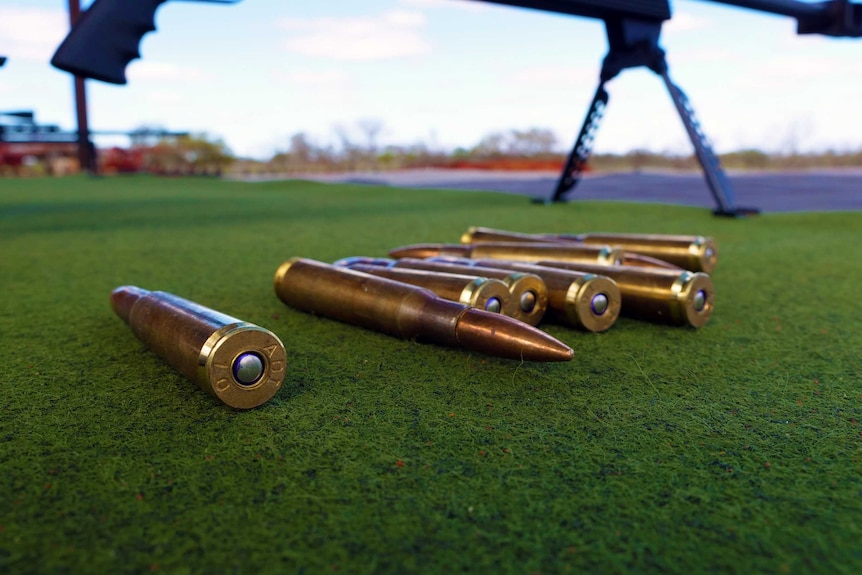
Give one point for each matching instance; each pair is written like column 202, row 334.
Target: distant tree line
column 359, row 149
column 197, row 153
column 362, row 152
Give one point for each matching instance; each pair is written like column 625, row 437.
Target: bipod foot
column 736, row 212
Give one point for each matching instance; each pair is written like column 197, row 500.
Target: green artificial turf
column 734, row 448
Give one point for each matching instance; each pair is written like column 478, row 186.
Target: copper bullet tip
column 503, row 336
column 123, row 299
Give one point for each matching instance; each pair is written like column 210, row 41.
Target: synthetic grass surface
column 735, row 448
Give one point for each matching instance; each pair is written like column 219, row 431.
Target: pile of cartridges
column 487, row 294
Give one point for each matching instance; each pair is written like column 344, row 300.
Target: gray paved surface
column 771, row 192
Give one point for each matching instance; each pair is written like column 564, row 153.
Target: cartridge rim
column 486, row 294
column 218, row 357
column 521, row 285
column 690, row 289
column 580, row 307
column 611, row 256
column 705, row 253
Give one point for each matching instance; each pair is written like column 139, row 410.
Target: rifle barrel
column 604, row 9
column 792, row 8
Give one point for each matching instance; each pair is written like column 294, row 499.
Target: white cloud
column 704, row 56
column 318, row 88
column 685, row 22
column 556, row 77
column 392, row 34
column 165, row 71
column 797, row 79
column 802, row 69
column 468, row 5
column 314, row 78
column 164, row 97
column 31, row 33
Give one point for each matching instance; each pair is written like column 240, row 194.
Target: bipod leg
column 583, row 147
column 716, row 179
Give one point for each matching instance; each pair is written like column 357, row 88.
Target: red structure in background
column 23, row 142
column 58, row 157
column 118, row 160
column 28, row 147
column 511, row 164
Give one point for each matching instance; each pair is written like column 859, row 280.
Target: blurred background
column 268, row 86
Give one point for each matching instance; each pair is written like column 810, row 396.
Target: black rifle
column 633, row 30
column 830, row 18
column 107, row 36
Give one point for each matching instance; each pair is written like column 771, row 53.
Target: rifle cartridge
column 514, row 251
column 693, row 253
column 480, row 235
column 634, row 259
column 590, row 301
column 239, row 363
column 663, row 296
column 409, row 312
column 349, row 261
column 480, row 292
column 528, row 295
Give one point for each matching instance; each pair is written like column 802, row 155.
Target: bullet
column 512, row 251
column 239, row 363
column 528, row 295
column 663, row 296
column 694, row 253
column 590, row 301
column 480, row 292
column 407, row 311
column 633, row 259
column 349, row 261
column 481, row 235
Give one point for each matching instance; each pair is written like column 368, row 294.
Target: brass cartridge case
column 694, row 253
column 590, row 301
column 480, row 235
column 481, row 292
column 663, row 296
column 528, row 299
column 634, row 259
column 407, row 311
column 513, row 251
column 239, row 363
column 351, row 260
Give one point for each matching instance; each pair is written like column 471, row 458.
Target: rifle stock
column 107, row 37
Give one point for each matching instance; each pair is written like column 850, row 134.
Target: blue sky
column 446, row 72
